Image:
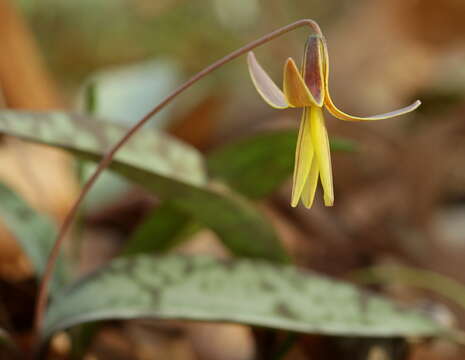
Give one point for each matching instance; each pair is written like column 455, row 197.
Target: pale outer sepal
column 265, row 86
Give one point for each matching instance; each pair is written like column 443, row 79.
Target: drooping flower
column 308, row 89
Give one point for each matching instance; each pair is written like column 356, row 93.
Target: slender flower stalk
column 308, row 89
column 108, row 157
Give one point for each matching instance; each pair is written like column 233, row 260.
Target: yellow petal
column 308, row 194
column 322, row 153
column 346, row 117
column 295, row 90
column 303, row 158
column 264, row 85
column 312, row 68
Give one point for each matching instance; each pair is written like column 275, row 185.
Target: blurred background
column 400, row 197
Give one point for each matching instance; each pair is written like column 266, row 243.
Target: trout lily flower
column 308, row 89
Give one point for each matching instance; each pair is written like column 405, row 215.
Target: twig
column 108, row 157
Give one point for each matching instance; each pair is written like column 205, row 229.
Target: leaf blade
column 34, row 231
column 245, row 291
column 176, row 174
column 159, row 232
column 83, row 134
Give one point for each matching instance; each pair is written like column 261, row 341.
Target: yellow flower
column 308, row 89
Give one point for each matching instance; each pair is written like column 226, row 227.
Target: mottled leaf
column 154, row 151
column 253, row 292
column 34, row 232
column 257, row 165
column 172, row 170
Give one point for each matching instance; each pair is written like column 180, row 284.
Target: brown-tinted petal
column 264, row 85
column 294, row 87
column 312, row 68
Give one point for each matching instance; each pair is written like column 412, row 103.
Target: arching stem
column 108, row 157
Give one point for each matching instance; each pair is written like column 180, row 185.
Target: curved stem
column 108, row 157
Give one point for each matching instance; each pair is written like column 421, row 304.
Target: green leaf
column 172, row 170
column 257, row 165
column 160, row 231
column 253, row 292
column 238, row 224
column 34, row 232
column 153, row 151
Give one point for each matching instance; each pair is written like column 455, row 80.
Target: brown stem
column 108, row 157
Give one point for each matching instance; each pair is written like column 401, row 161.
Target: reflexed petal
column 342, row 115
column 264, row 85
column 297, row 93
column 308, row 193
column 322, row 153
column 303, row 158
column 346, row 117
column 312, row 68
